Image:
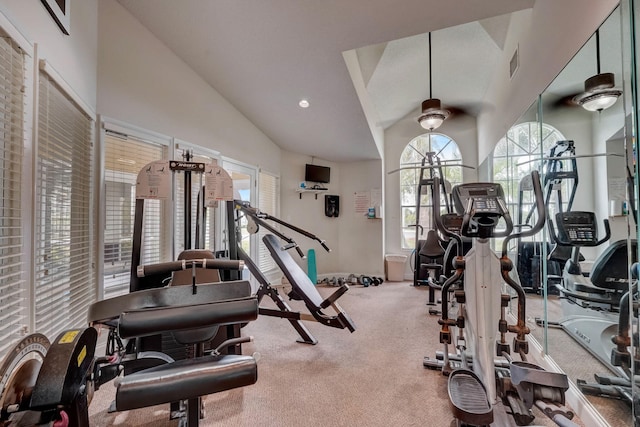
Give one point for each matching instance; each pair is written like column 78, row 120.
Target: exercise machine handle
column 607, row 233
column 302, row 255
column 261, row 218
column 438, row 219
column 324, row 245
column 186, row 264
column 540, row 209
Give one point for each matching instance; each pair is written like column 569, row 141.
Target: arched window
column 517, row 154
column 413, row 155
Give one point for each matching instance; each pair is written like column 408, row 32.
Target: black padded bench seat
column 609, row 278
column 305, row 289
column 150, row 321
column 108, row 311
column 185, row 379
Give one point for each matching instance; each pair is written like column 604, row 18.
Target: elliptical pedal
column 469, row 399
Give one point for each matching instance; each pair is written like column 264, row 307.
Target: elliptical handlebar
column 540, row 209
column 438, row 219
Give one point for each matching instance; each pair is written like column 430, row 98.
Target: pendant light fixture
column 599, row 90
column 433, row 115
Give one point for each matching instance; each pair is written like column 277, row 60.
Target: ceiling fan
column 433, row 114
column 599, row 92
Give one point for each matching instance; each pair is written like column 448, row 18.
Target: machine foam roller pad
column 106, row 311
column 185, row 379
column 179, row 318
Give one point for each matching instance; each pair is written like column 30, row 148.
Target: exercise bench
column 306, row 290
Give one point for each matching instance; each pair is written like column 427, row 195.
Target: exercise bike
column 596, row 309
column 475, row 383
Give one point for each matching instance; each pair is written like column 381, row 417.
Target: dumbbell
column 365, row 280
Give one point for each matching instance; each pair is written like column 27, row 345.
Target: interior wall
column 305, row 211
column 141, row 82
column 552, row 32
column 355, row 241
column 360, row 238
column 462, row 130
column 608, row 129
column 73, row 56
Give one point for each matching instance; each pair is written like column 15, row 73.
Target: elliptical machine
column 481, row 321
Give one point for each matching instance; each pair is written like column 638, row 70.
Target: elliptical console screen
column 487, row 197
column 578, row 227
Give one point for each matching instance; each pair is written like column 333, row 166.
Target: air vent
column 514, row 63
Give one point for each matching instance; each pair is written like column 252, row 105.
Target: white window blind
column 64, row 275
column 12, row 105
column 124, row 157
column 209, row 221
column 268, row 201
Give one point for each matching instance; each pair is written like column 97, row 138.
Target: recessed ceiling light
column 303, row 103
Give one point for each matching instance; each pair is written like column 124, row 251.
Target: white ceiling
column 264, row 56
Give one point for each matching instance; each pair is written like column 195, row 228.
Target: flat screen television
column 315, row 173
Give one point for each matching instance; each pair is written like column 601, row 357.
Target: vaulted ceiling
column 265, row 56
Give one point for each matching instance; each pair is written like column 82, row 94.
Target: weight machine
column 559, row 167
column 302, row 287
column 430, row 249
column 52, row 383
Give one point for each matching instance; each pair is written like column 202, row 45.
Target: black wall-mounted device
column 315, row 173
column 331, row 205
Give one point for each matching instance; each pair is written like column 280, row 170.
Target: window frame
column 548, row 136
column 25, row 317
column 83, row 299
column 264, row 261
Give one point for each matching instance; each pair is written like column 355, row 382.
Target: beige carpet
column 373, row 377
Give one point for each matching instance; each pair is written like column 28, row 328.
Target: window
column 124, row 157
column 516, row 155
column 413, row 156
column 268, row 202
column 64, row 225
column 244, row 179
column 12, row 120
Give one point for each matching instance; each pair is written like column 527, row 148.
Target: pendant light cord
column 430, row 94
column 598, row 51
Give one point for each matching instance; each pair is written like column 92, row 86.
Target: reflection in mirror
column 628, row 325
column 576, row 272
column 587, row 274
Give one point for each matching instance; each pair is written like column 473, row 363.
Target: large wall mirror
column 588, row 235
column 576, row 272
